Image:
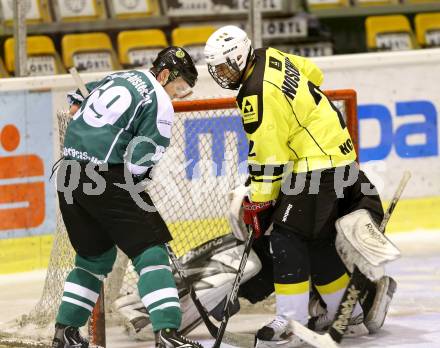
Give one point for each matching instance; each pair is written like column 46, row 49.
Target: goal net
column 190, row 186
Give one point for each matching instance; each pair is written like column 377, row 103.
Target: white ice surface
column 413, row 320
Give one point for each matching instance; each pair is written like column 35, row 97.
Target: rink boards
column 398, row 117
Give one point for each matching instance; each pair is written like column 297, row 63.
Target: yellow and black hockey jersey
column 290, row 124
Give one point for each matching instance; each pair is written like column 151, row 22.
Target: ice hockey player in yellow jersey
column 303, row 177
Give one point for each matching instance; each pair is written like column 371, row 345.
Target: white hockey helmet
column 227, row 52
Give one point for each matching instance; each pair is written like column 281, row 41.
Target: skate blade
column 278, row 344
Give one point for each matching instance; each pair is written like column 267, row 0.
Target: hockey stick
column 234, row 292
column 79, row 82
column 234, row 339
column 358, row 281
column 405, row 178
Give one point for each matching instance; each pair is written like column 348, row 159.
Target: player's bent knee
column 153, row 256
column 99, row 265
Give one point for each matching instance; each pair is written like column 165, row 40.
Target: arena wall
column 398, row 118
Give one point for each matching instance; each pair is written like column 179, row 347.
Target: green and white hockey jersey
column 127, row 118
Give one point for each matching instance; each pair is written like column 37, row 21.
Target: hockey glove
column 258, row 215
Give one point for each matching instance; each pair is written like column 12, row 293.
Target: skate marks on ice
column 408, row 332
column 413, row 320
column 414, row 317
column 399, row 332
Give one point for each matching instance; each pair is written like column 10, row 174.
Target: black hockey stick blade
column 234, row 339
column 233, row 296
column 356, row 286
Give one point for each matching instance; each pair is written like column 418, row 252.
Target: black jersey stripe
column 266, row 170
column 265, row 180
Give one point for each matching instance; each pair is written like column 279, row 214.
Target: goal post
column 206, row 159
column 346, row 102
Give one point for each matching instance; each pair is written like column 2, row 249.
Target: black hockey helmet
column 179, row 62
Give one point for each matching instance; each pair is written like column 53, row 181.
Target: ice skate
column 356, row 326
column 169, row 338
column 277, row 333
column 68, row 337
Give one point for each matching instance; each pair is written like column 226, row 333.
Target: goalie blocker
column 360, row 243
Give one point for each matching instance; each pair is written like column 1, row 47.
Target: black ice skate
column 277, row 333
column 170, row 338
column 68, row 337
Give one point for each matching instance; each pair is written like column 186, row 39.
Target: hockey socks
column 332, row 293
column 157, row 288
column 290, row 300
column 82, row 287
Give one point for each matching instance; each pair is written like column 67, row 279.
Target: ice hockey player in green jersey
column 117, row 134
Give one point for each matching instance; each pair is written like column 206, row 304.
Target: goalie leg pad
column 360, row 243
column 376, row 312
column 133, row 310
column 213, row 286
column 217, row 312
